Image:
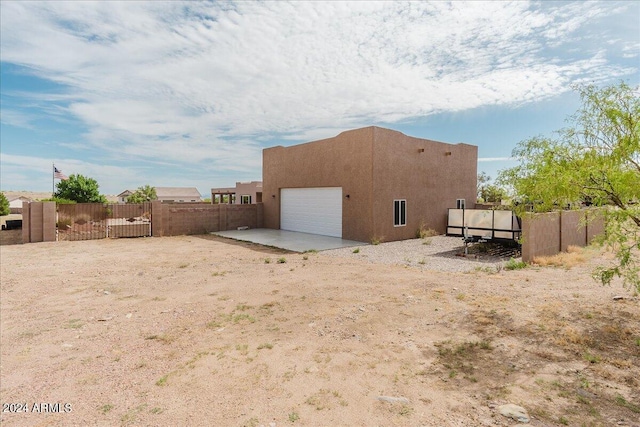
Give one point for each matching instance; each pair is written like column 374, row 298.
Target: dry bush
column 574, row 249
column 483, row 319
column 570, row 336
column 575, row 255
column 376, row 240
column 424, row 232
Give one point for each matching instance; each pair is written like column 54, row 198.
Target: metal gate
column 88, row 221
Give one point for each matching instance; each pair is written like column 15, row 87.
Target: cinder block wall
column 200, row 218
column 546, row 234
column 36, row 233
column 238, row 216
column 26, row 222
column 540, row 235
column 49, row 222
column 38, row 222
column 595, row 224
column 10, row 237
column 188, row 218
column 573, row 231
column 260, row 215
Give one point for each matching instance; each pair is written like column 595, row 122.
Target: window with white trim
column 245, row 199
column 399, row 212
column 460, row 204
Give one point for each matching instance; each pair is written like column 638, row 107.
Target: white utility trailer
column 475, row 225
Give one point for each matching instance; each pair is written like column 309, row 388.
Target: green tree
column 595, row 161
column 80, row 189
column 143, row 194
column 492, row 193
column 487, row 192
column 4, row 205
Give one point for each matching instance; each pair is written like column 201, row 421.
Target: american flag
column 57, row 174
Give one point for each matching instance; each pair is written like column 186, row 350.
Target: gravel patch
column 440, row 253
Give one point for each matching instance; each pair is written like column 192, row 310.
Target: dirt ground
column 202, row 331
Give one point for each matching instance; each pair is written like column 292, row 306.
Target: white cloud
column 496, row 159
column 16, row 118
column 631, row 50
column 194, row 82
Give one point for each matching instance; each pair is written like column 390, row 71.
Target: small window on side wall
column 460, row 204
column 245, row 200
column 399, row 213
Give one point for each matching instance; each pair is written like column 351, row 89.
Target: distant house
column 244, row 193
column 122, row 197
column 15, row 203
column 178, row 194
column 169, row 195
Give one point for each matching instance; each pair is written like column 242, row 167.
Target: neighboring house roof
column 21, row 198
column 16, row 202
column 178, row 193
column 32, row 196
column 125, row 193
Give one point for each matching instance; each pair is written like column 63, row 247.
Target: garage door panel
column 312, row 210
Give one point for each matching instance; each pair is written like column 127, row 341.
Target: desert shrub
column 514, row 264
column 423, row 231
column 375, row 240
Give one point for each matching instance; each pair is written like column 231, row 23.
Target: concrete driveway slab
column 289, row 240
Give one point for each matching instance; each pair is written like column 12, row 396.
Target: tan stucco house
column 367, row 184
column 244, row 193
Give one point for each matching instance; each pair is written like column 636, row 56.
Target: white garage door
column 312, row 210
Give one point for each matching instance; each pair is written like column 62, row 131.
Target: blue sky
column 188, row 94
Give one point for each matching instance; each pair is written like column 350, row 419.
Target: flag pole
column 53, row 180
